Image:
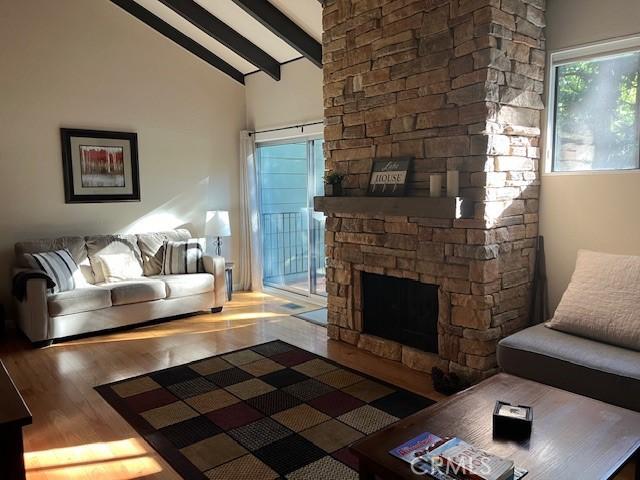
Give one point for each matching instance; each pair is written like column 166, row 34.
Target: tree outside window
column 596, row 114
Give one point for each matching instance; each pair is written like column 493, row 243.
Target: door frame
column 311, row 183
column 309, row 140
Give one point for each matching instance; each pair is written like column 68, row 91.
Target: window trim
column 558, row 58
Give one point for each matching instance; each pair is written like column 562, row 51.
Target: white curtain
column 250, row 271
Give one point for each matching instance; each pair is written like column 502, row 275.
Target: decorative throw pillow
column 151, row 246
column 183, row 257
column 602, row 301
column 117, row 267
column 110, row 245
column 59, row 265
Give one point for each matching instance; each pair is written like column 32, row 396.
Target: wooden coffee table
column 573, row 437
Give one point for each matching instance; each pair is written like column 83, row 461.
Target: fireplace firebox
column 401, row 310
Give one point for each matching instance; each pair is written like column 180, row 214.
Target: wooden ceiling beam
column 220, row 31
column 279, row 24
column 178, row 37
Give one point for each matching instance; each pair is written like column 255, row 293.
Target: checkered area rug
column 266, row 412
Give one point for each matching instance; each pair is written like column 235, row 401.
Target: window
column 595, row 117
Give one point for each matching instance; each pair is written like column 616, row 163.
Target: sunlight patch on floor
column 84, row 461
column 252, row 316
column 158, row 334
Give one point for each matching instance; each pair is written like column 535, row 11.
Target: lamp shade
column 217, row 224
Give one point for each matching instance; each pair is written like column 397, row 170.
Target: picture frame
column 100, row 166
column 389, row 176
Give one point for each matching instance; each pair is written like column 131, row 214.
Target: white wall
column 89, row 64
column 295, row 99
column 593, row 211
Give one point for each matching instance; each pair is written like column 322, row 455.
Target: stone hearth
column 457, row 85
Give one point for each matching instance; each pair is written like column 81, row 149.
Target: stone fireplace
column 455, row 84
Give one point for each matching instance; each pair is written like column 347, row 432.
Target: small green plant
column 333, row 178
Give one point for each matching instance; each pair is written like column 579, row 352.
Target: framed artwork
column 389, row 176
column 100, row 166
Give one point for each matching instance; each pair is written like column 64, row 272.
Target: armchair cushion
column 587, row 367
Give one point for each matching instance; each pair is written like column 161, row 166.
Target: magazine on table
column 454, row 459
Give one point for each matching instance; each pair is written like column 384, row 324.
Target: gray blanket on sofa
column 19, row 287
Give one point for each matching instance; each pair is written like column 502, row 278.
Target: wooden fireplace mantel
column 425, row 207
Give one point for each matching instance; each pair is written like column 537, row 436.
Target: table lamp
column 217, row 225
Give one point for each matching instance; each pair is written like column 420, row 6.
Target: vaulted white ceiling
column 307, row 14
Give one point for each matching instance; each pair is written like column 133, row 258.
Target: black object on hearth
column 447, row 383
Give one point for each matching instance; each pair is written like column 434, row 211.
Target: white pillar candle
column 453, row 183
column 435, row 185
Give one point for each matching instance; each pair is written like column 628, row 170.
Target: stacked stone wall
column 455, row 84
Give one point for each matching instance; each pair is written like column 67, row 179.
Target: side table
column 228, row 270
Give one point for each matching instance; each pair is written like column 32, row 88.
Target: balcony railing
column 285, row 243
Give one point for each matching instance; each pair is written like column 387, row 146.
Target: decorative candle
column 435, row 185
column 453, row 183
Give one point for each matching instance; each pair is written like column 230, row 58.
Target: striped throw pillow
column 59, row 265
column 183, row 256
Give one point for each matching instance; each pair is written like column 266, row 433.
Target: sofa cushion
column 602, row 300
column 79, row 300
column 75, row 245
column 108, row 245
column 136, row 291
column 587, row 367
column 151, row 248
column 118, row 267
column 187, row 284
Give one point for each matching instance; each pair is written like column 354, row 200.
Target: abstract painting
column 101, row 166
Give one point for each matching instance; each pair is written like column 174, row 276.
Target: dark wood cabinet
column 14, row 414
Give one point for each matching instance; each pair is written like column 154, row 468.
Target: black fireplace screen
column 401, row 310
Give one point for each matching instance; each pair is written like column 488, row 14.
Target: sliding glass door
column 290, row 174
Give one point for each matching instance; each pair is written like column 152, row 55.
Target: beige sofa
column 96, row 305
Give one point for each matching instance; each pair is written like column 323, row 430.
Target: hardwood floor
column 75, row 433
